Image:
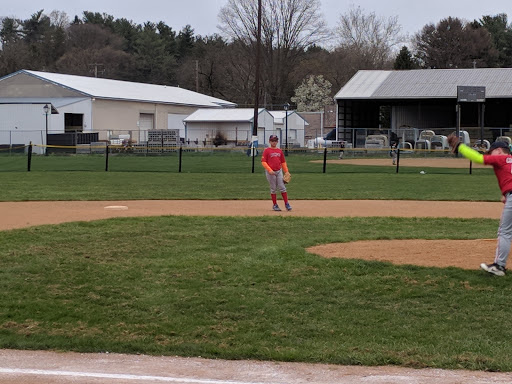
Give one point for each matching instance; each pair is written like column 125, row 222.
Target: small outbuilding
column 291, row 122
column 232, row 127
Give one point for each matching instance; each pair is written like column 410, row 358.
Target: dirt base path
column 27, row 367
column 25, row 214
column 405, row 161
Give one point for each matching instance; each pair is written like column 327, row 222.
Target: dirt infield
column 23, row 214
column 427, row 162
column 27, row 367
column 465, row 254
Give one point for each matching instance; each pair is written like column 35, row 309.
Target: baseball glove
column 287, row 177
column 453, row 142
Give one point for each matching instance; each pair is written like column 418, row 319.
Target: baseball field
column 258, row 286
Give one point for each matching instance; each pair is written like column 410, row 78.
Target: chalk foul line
column 118, row 376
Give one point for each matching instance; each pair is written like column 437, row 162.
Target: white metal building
column 234, row 125
column 87, row 104
column 292, row 122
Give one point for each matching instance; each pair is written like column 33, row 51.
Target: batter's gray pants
column 504, row 233
column 276, row 181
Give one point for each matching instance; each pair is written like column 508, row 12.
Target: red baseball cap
column 273, row 138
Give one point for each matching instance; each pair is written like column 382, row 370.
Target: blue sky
column 202, row 14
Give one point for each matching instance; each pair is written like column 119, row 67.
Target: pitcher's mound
column 466, row 254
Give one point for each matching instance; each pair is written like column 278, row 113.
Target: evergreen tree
column 185, row 42
column 501, row 33
column 404, row 60
column 154, row 64
column 453, row 43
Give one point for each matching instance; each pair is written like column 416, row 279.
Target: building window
column 73, row 122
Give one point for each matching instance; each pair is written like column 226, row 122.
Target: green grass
column 20, row 186
column 214, row 161
column 228, row 175
column 246, row 289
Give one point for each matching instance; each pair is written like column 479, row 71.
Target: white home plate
column 117, row 207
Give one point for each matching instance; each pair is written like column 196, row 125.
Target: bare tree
column 92, row 36
column 288, row 28
column 368, row 36
column 91, row 44
column 59, row 19
column 287, row 24
column 116, row 64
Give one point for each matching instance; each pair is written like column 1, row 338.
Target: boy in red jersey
column 499, row 157
column 274, row 163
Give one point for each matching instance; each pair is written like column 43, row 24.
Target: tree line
column 302, row 61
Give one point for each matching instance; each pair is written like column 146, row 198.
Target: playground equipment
column 505, row 139
column 376, row 142
column 439, row 142
column 424, row 141
column 482, row 147
column 405, row 147
column 464, row 137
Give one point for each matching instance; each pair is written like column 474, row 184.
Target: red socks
column 285, row 197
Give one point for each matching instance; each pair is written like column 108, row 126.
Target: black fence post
column 470, row 167
column 29, row 157
column 325, row 159
column 106, row 158
column 252, row 160
column 179, row 162
column 397, row 159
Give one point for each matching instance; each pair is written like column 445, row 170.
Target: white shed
column 292, row 122
column 229, row 126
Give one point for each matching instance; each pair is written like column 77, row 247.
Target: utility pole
column 254, row 143
column 95, row 69
column 197, row 75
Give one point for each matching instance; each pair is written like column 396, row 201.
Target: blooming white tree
column 313, row 94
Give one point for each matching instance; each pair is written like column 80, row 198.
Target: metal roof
column 224, row 115
column 124, row 90
column 426, row 83
column 280, row 116
column 54, row 111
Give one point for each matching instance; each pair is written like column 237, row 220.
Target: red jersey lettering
column 274, row 157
